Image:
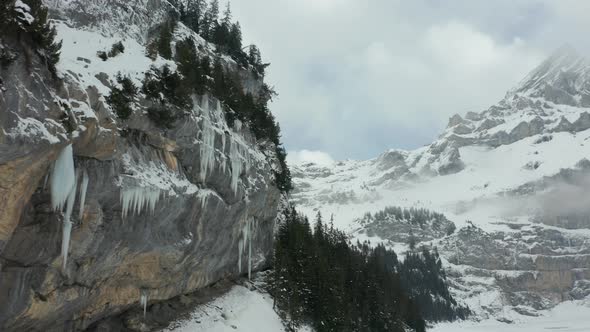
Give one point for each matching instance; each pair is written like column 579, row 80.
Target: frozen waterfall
column 237, row 165
column 134, row 200
column 63, row 178
column 63, row 192
column 207, row 148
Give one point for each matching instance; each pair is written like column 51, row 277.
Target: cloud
column 358, row 77
column 306, row 156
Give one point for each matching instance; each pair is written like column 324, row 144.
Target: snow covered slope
column 241, row 309
column 513, row 179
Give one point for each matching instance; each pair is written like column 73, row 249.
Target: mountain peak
column 565, row 69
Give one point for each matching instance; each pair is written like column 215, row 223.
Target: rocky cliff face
column 98, row 213
column 513, row 179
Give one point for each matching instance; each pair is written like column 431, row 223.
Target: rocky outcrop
column 535, row 267
column 156, row 214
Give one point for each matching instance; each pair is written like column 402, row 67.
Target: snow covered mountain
column 514, row 181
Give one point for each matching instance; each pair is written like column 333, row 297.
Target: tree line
column 204, row 18
column 321, row 279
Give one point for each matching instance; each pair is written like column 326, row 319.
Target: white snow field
column 566, row 317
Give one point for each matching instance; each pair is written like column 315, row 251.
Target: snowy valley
column 512, row 179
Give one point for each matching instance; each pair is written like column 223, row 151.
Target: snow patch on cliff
column 33, row 129
column 79, row 58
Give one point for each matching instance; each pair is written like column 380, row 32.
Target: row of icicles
column 64, row 181
column 246, row 240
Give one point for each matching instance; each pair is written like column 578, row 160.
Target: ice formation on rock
column 249, row 254
column 63, row 178
column 245, row 240
column 224, row 163
column 67, row 227
column 135, row 199
column 237, row 125
column 207, row 147
column 240, row 252
column 218, row 110
column 45, row 181
column 237, row 165
column 143, row 301
column 83, row 189
column 63, row 192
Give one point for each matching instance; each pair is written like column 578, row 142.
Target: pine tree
column 165, row 39
column 319, row 226
column 194, row 15
column 120, row 99
column 227, row 16
column 255, row 59
column 235, row 45
column 210, row 20
column 283, row 179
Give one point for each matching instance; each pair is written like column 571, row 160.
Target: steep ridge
column 513, row 179
column 100, row 214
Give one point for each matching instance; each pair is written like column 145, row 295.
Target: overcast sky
column 358, row 77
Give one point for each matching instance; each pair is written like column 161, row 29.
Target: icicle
column 65, row 242
column 83, row 188
column 219, row 110
column 205, row 103
column 45, row 182
column 237, row 125
column 224, row 163
column 207, row 148
column 204, row 200
column 240, row 252
column 63, row 191
column 245, row 240
column 249, row 253
column 63, row 178
column 236, row 164
column 135, row 199
column 143, row 301
column 67, row 227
